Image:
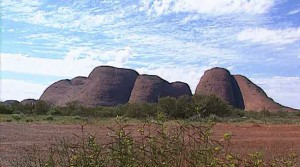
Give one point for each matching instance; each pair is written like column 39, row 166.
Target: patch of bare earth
column 273, row 140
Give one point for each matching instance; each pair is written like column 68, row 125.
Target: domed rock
column 255, row 99
column 78, row 81
column 180, row 89
column 58, row 93
column 219, row 82
column 30, row 102
column 148, row 89
column 11, row 102
column 109, row 86
column 237, row 90
column 105, row 86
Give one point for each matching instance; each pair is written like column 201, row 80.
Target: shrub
column 175, row 108
column 29, row 120
column 297, row 114
column 167, row 105
column 8, row 120
column 5, row 109
column 214, row 118
column 26, row 109
column 161, row 145
column 265, row 113
column 138, row 110
column 102, row 112
column 55, row 111
column 17, row 117
column 282, row 113
column 198, row 105
column 41, row 107
column 237, row 113
column 49, row 118
column 206, row 105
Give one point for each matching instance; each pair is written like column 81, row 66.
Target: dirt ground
column 273, row 140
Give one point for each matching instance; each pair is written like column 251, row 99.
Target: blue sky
column 43, row 41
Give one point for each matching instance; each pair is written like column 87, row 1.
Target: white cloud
column 56, row 39
column 67, row 17
column 268, row 36
column 45, row 66
column 161, row 47
column 213, row 7
column 24, row 6
column 122, row 56
column 190, row 18
column 79, row 61
column 284, row 90
column 19, row 89
column 296, row 11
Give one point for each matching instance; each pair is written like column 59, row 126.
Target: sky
column 43, row 41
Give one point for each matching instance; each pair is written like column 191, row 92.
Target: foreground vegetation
column 194, row 109
column 148, row 145
column 188, row 142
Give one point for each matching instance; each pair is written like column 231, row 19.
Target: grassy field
column 258, row 118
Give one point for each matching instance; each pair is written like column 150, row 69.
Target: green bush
column 282, row 113
column 196, row 107
column 17, row 117
column 206, row 105
column 8, row 120
column 297, row 114
column 214, row 118
column 26, row 109
column 55, row 111
column 29, row 120
column 265, row 113
column 16, row 109
column 175, row 108
column 5, row 109
column 142, row 110
column 237, row 113
column 41, row 107
column 49, row 118
column 102, row 112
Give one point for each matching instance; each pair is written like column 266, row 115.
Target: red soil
column 273, row 140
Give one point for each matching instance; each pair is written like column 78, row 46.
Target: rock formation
column 219, row 82
column 11, row 102
column 237, row 90
column 108, row 86
column 178, row 89
column 148, row 89
column 60, row 93
column 105, row 86
column 255, row 99
column 30, row 102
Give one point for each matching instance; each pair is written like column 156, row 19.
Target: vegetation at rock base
column 196, row 108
